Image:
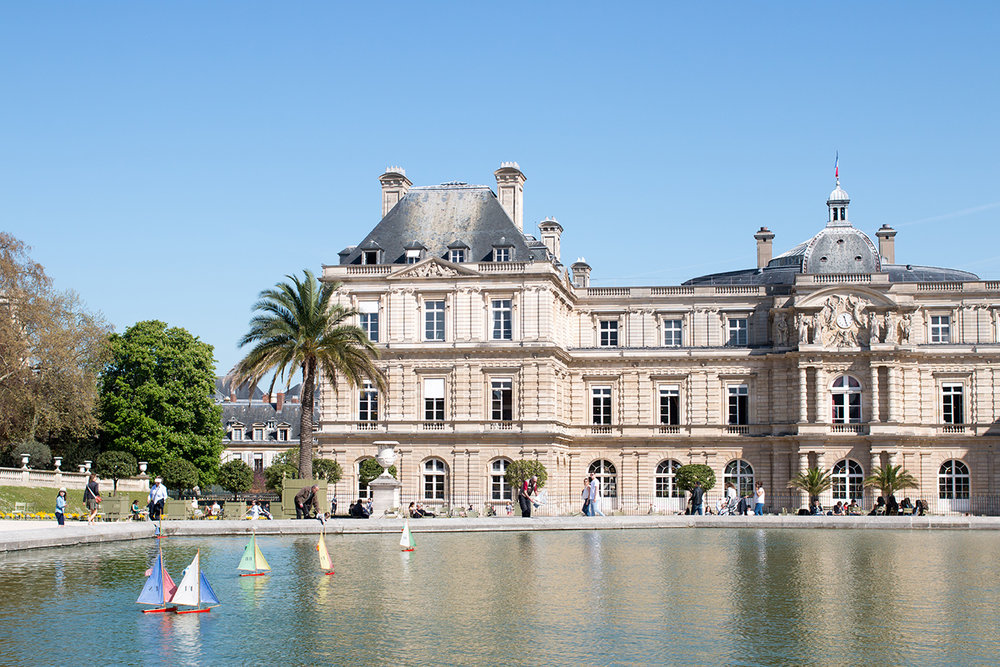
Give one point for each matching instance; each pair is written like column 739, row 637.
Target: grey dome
column 841, row 250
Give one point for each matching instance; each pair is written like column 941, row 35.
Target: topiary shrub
column 276, row 474
column 235, row 476
column 695, row 472
column 179, row 474
column 521, row 470
column 327, row 469
column 41, row 455
column 114, row 466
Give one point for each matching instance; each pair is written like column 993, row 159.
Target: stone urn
column 386, row 456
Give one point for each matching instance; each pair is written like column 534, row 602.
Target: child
column 61, row 507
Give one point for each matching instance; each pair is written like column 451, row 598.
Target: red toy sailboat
column 159, row 587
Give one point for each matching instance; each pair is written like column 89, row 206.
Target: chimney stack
column 395, row 185
column 510, row 191
column 232, row 395
column 764, row 248
column 281, row 401
column 581, row 273
column 551, row 232
column 887, row 243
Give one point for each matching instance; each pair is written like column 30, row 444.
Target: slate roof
column 438, row 216
column 261, row 413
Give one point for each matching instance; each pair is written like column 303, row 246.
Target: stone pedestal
column 385, row 494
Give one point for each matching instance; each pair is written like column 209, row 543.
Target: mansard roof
column 435, row 215
column 261, row 413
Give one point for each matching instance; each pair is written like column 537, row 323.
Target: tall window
column 739, row 404
column 600, row 405
column 499, row 488
column 607, row 477
column 739, row 473
column 368, row 403
column 953, row 480
column 846, row 393
column 609, row 333
column 434, row 399
column 501, row 254
column 237, row 433
column 501, row 399
column 258, row 462
column 848, row 480
column 669, row 404
column 503, row 326
column 672, row 330
column 457, row 255
column 368, row 316
column 952, row 411
column 434, row 478
column 737, row 331
column 940, row 328
column 665, row 479
column 433, row 320
column 258, row 433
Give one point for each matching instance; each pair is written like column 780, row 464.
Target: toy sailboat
column 194, row 590
column 406, row 540
column 253, row 560
column 324, row 556
column 159, row 587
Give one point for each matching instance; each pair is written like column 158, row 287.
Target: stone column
column 876, row 461
column 803, row 467
column 826, row 496
column 803, row 396
column 873, row 417
column 822, row 405
column 893, row 458
column 895, row 395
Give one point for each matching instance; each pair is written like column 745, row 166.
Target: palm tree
column 891, row 479
column 296, row 328
column 813, row 481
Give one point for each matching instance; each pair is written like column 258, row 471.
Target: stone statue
column 803, row 326
column 816, row 329
column 875, row 327
column 780, row 329
column 889, row 327
column 905, row 328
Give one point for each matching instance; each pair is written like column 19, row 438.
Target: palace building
column 830, row 354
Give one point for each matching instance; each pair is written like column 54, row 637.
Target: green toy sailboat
column 253, row 562
column 406, row 541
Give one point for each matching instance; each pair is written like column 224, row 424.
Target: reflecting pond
column 679, row 596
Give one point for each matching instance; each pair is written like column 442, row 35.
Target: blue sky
column 170, row 160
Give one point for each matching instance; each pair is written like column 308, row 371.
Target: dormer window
column 237, row 434
column 501, row 253
column 457, row 255
column 258, row 433
column 369, row 256
column 283, row 434
column 412, row 256
column 414, row 251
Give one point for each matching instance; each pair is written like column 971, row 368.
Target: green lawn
column 44, row 499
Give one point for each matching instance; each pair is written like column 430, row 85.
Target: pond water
column 678, row 596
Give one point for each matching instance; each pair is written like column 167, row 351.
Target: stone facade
column 758, row 374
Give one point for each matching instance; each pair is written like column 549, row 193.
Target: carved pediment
column 432, row 267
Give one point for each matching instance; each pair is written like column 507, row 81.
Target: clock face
column 844, row 320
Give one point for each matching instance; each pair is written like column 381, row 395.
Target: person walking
column 157, row 499
column 585, row 496
column 61, row 507
column 598, row 496
column 592, row 495
column 698, row 499
column 304, row 498
column 92, row 497
column 758, row 508
column 528, row 488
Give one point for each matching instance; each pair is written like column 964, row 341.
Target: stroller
column 727, row 506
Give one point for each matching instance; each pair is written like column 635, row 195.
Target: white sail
column 187, row 590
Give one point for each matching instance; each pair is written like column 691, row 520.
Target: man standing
column 303, row 499
column 529, row 487
column 594, row 492
column 697, row 499
column 157, row 499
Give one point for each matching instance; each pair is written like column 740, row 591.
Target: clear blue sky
column 170, row 160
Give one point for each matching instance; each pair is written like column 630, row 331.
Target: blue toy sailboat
column 159, row 587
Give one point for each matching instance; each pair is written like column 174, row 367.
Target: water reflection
column 590, row 597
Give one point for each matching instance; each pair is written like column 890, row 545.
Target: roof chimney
column 887, row 244
column 281, row 401
column 581, row 273
column 395, row 185
column 764, row 248
column 510, row 191
column 551, row 230
column 232, row 395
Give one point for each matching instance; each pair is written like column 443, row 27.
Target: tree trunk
column 306, row 420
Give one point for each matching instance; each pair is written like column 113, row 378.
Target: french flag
column 836, row 166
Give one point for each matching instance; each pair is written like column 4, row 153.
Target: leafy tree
column 115, row 465
column 296, row 327
column 687, row 475
column 179, row 474
column 369, row 469
column 521, row 470
column 891, row 479
column 235, row 476
column 156, row 398
column 327, row 469
column 51, row 349
column 813, row 481
column 276, row 474
column 41, row 455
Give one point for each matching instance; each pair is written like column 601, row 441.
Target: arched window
column 607, row 476
column 499, row 489
column 846, row 392
column 739, row 473
column 953, row 480
column 369, row 463
column 666, row 486
column 848, row 480
column 435, row 474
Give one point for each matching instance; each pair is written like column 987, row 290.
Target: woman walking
column 92, row 496
column 61, row 507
